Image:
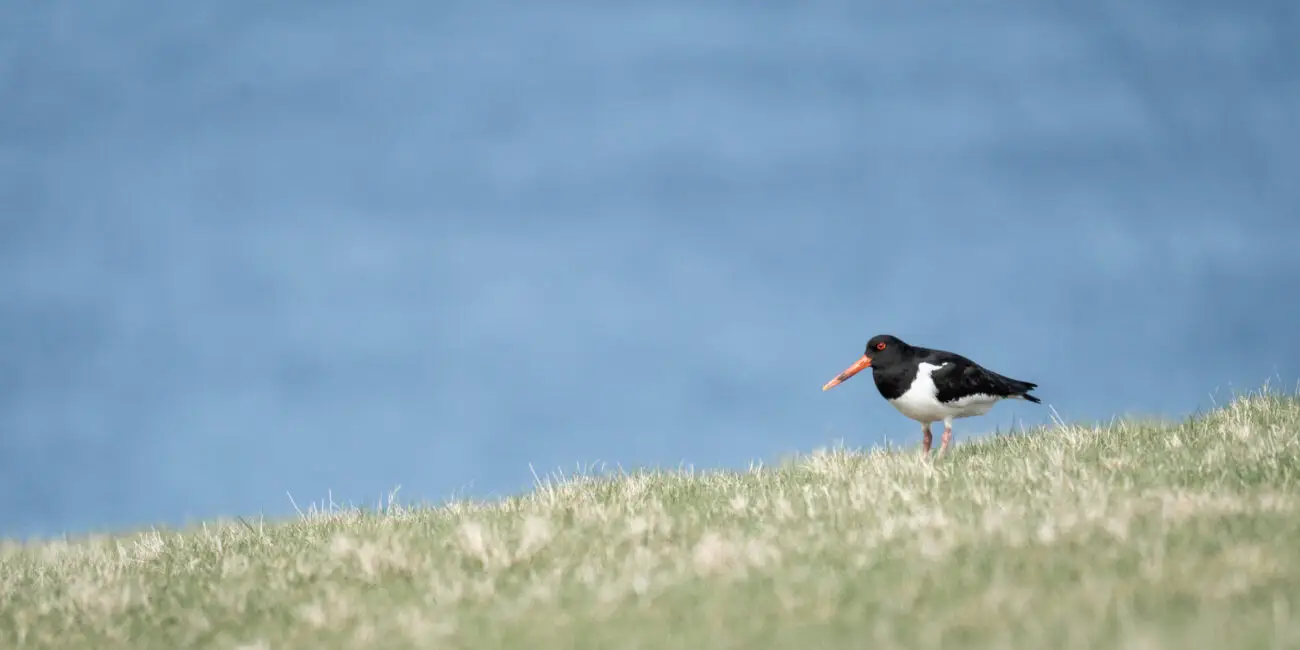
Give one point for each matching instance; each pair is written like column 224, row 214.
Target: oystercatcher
column 932, row 385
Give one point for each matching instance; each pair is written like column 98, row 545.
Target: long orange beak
column 857, row 367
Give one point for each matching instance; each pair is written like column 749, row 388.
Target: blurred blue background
column 254, row 248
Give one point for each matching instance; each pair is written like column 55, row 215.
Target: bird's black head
column 882, row 351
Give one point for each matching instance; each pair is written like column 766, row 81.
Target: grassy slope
column 1138, row 536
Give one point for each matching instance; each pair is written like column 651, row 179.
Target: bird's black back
column 958, row 378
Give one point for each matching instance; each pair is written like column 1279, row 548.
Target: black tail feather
column 1022, row 388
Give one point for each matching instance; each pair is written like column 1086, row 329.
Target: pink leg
column 947, row 439
column 926, row 439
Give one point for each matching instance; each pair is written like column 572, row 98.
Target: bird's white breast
column 921, row 401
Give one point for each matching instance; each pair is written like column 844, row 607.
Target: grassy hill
column 1133, row 535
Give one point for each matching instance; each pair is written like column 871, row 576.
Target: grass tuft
column 1131, row 535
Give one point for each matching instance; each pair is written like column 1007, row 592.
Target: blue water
column 257, row 249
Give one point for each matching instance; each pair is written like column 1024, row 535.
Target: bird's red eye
column 880, row 346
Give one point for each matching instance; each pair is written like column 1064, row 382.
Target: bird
column 933, row 385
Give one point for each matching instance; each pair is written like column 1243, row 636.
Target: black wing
column 961, row 377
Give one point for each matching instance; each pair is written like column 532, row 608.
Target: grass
column 1133, row 535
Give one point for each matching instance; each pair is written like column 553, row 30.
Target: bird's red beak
column 858, row 366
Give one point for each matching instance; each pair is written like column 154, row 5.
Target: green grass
column 1133, row 535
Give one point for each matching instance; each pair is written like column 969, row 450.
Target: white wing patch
column 921, row 401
